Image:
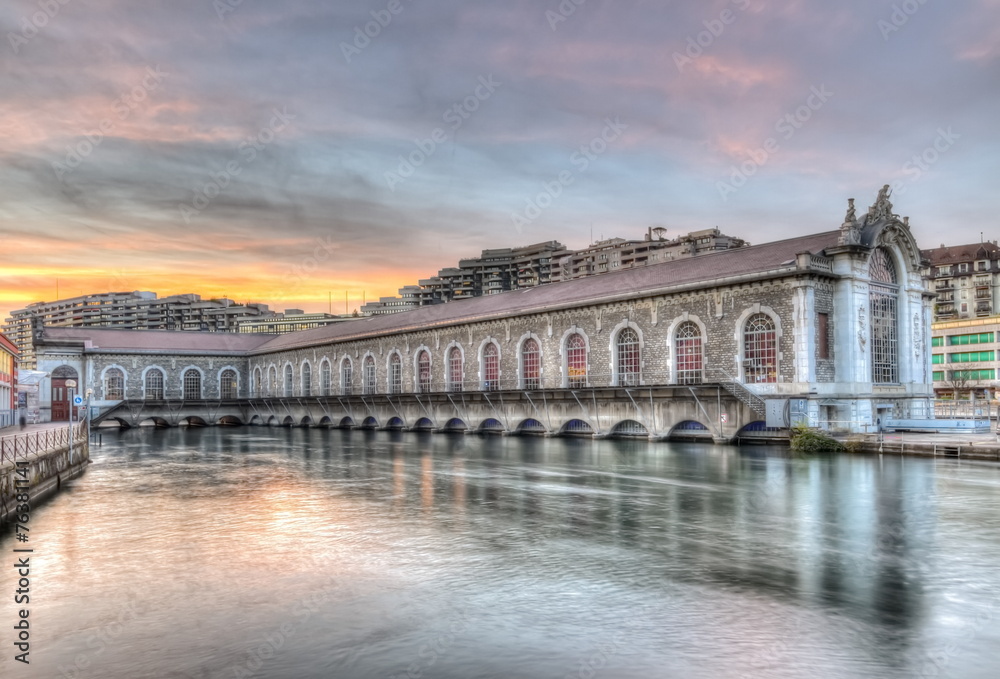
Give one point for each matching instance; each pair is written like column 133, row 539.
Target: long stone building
column 833, row 326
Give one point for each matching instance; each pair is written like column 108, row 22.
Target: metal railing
column 40, row 441
column 740, row 391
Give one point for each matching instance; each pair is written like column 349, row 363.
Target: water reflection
column 515, row 557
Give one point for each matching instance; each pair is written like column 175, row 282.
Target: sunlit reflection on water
column 306, row 553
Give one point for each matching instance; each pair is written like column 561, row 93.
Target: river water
column 309, row 553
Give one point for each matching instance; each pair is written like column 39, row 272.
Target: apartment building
column 137, row 310
column 966, row 279
column 8, row 382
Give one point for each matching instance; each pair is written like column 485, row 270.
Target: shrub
column 806, row 440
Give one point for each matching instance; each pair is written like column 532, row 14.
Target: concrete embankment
column 44, row 460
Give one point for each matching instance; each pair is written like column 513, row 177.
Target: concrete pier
column 45, row 457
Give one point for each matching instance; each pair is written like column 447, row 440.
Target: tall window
column 576, row 360
column 114, row 385
column 272, row 381
column 369, row 375
column 307, row 378
column 288, row 380
column 192, row 384
column 531, row 364
column 455, row 372
column 228, row 385
column 154, row 384
column 883, row 296
column 346, row 376
column 395, row 374
column 258, row 387
column 627, row 346
column 491, row 367
column 325, row 377
column 760, row 350
column 688, row 352
column 424, row 372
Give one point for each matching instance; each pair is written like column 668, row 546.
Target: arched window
column 531, row 365
column 289, row 378
column 307, row 378
column 491, row 367
column 154, row 384
column 192, row 384
column 627, row 346
column 346, row 376
column 258, row 388
column 368, row 386
column 114, row 385
column 424, row 372
column 272, row 381
column 395, row 374
column 688, row 352
column 228, row 385
column 884, row 300
column 760, row 350
column 326, row 377
column 576, row 361
column 455, row 371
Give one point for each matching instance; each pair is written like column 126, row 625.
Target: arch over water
column 306, row 421
column 689, row 429
column 325, row 421
column 346, row 422
column 455, row 424
column 193, row 421
column 256, row 421
column 491, row 425
column 229, row 421
column 628, row 428
column 576, row 428
column 289, row 421
column 154, row 422
column 423, row 424
column 272, row 421
column 759, row 429
column 395, row 423
column 369, row 423
column 531, row 426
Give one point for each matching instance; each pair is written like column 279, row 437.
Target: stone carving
column 850, row 231
column 862, row 328
column 882, row 209
column 918, row 336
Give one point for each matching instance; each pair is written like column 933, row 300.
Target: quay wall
column 46, row 472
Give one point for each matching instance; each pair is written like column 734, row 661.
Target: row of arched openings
column 154, row 385
column 760, row 349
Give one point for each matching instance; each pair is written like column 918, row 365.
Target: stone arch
column 629, row 429
column 185, row 394
column 689, row 429
column 346, row 378
column 368, row 360
column 675, row 324
column 104, row 384
column 485, row 381
column 394, row 361
column 564, row 355
column 577, row 427
column 456, row 424
column 239, row 379
column 395, row 423
column 613, row 348
column 531, row 426
column 448, row 381
column 193, row 421
column 523, row 381
column 288, row 379
column 306, row 377
column 257, row 378
column 229, row 421
column 369, row 422
column 428, row 386
column 326, row 376
column 424, row 424
column 741, row 322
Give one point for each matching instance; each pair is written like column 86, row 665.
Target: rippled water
column 308, row 553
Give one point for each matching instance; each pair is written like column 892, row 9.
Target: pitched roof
column 948, row 254
column 174, row 341
column 700, row 271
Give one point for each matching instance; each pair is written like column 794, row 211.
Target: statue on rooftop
column 850, row 231
column 882, row 209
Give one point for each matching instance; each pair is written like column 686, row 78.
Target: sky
column 290, row 152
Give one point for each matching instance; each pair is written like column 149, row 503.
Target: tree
column 959, row 381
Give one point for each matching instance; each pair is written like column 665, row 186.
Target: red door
column 60, row 400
